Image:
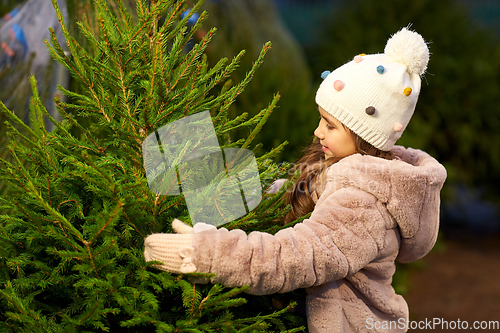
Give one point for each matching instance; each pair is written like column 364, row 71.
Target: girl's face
column 336, row 140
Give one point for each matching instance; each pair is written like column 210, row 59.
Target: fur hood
column 409, row 186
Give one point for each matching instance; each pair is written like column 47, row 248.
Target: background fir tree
column 79, row 206
column 245, row 24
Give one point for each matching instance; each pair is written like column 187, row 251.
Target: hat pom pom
column 409, row 48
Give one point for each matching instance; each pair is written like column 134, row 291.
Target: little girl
column 372, row 203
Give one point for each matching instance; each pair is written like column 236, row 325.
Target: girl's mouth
column 325, row 149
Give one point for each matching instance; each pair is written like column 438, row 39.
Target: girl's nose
column 318, row 133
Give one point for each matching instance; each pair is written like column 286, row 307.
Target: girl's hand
column 174, row 250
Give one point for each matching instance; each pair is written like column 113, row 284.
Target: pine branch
column 262, row 116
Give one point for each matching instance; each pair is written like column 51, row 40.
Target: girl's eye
column 329, row 127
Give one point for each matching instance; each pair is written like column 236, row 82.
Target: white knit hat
column 375, row 95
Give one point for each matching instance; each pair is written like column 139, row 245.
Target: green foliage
column 79, row 206
column 16, row 99
column 457, row 118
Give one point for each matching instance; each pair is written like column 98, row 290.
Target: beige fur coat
column 369, row 213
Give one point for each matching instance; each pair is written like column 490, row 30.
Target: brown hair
column 312, row 165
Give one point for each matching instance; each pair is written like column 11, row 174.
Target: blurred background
column 457, row 119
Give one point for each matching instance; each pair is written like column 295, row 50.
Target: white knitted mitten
column 181, row 228
column 174, row 250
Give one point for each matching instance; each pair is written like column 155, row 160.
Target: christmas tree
column 79, row 206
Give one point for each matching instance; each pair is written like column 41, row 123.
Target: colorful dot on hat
column 397, row 127
column 380, row 69
column 358, row 58
column 338, row 85
column 370, row 110
column 325, row 74
column 407, row 91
